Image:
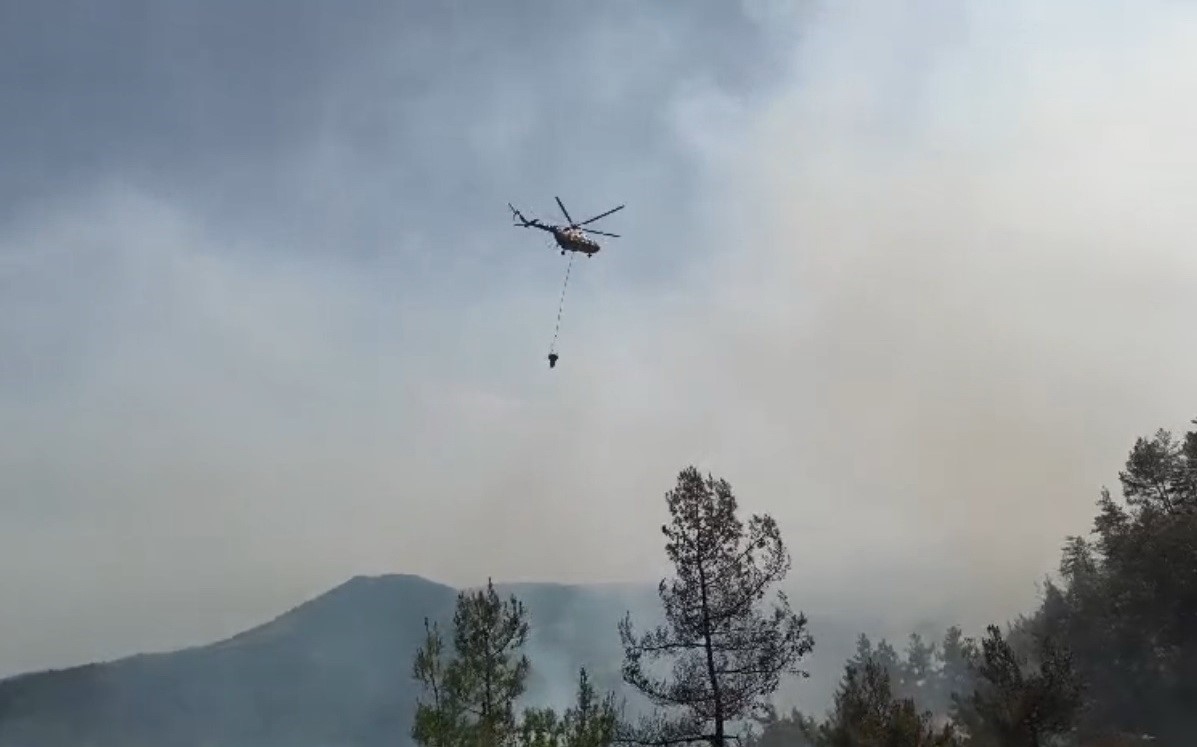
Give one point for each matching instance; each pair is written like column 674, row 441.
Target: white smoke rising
column 915, row 299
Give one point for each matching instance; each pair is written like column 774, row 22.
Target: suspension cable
column 561, row 306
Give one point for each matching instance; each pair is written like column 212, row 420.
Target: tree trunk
column 716, row 695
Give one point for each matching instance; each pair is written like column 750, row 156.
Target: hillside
column 332, row 671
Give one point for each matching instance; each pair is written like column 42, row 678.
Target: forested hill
column 1110, row 652
column 328, row 671
column 334, row 670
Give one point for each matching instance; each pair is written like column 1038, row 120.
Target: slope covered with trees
column 335, row 670
column 1108, row 658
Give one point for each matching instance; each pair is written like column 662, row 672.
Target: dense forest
column 1108, row 658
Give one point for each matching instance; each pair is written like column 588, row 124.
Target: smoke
column 951, row 281
column 914, row 293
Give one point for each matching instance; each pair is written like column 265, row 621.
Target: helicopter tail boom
column 520, row 220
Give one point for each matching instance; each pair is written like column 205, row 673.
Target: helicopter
column 571, row 238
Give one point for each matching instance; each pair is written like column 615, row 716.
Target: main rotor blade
column 601, row 233
column 560, row 205
column 604, row 215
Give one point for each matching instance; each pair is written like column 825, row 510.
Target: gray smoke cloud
column 911, row 277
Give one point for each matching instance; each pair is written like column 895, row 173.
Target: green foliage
column 791, row 730
column 1002, row 697
column 1160, row 473
column 955, row 675
column 1016, row 704
column 1112, row 649
column 439, row 722
column 540, row 727
column 918, row 670
column 590, row 722
column 487, row 633
column 728, row 656
column 473, row 693
column 866, row 714
column 1110, row 652
column 927, row 673
column 1127, row 601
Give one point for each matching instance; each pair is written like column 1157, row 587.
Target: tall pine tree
column 439, row 722
column 728, row 655
column 473, row 693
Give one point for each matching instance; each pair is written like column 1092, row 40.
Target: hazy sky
column 911, row 275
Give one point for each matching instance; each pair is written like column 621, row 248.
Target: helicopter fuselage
column 568, row 239
column 574, row 241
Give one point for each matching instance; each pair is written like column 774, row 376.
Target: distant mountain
column 335, row 670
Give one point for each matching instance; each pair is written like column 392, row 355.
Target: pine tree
column 438, row 723
column 956, row 675
column 1162, row 473
column 916, row 674
column 792, row 730
column 473, row 694
column 592, row 721
column 887, row 658
column 864, row 650
column 1014, row 703
column 728, row 655
column 866, row 714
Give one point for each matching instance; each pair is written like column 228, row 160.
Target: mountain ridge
column 336, row 669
